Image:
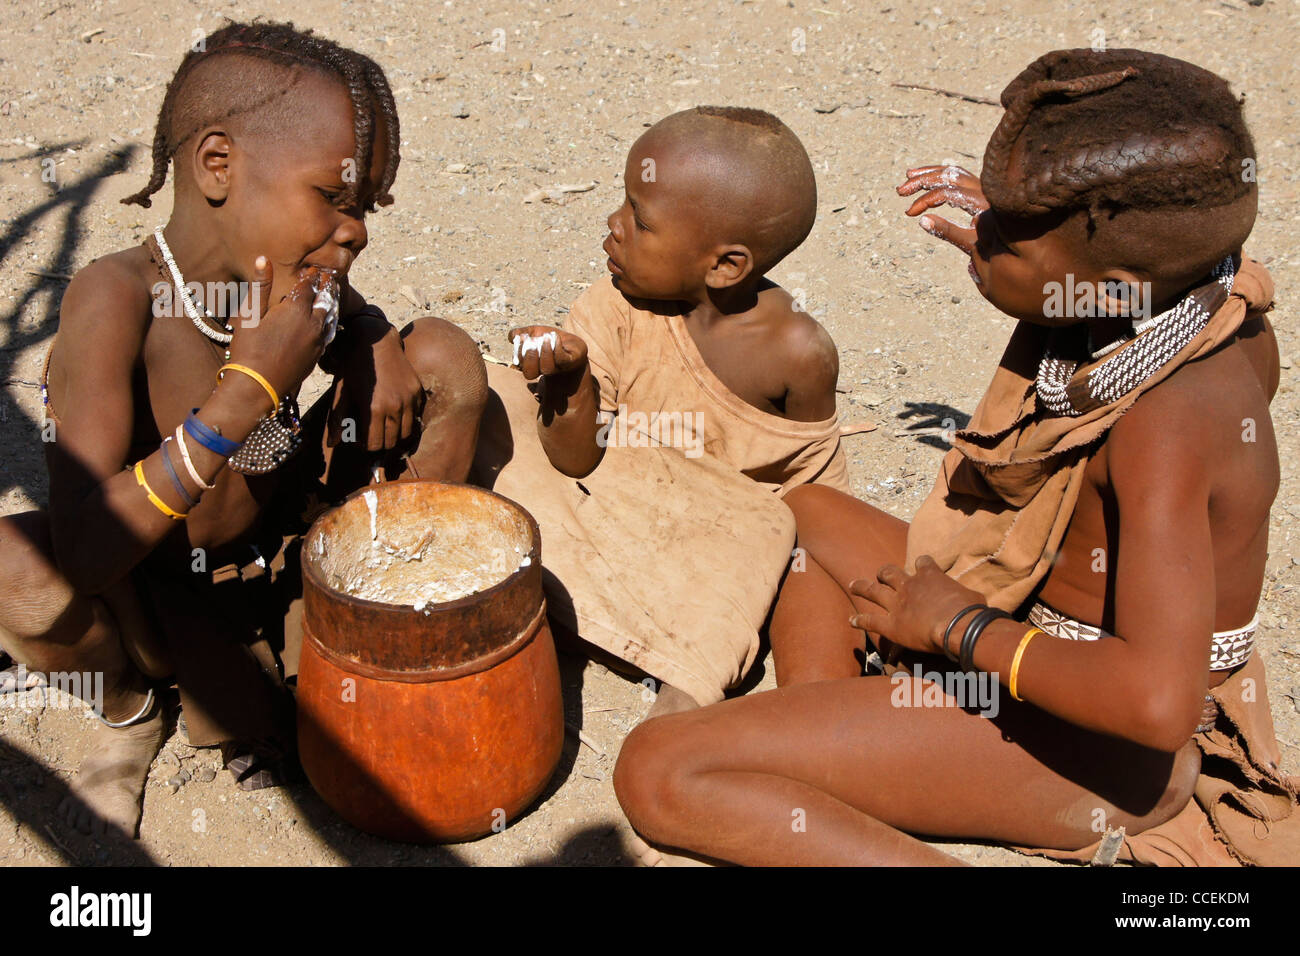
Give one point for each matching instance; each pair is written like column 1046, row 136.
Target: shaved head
column 742, row 171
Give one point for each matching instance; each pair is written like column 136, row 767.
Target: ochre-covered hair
column 193, row 102
column 1118, row 129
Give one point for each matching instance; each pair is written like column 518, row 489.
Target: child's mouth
column 610, row 264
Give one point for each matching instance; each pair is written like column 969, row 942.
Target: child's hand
column 912, row 609
column 951, row 185
column 379, row 388
column 283, row 342
column 546, row 350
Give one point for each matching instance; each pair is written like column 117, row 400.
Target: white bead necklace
column 221, row 338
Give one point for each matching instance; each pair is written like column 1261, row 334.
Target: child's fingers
column 872, row 621
column 388, row 432
column 259, row 293
column 939, row 177
column 951, row 196
column 406, row 425
column 879, row 594
column 534, row 349
column 961, row 237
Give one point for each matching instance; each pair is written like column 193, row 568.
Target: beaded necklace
column 276, row 437
column 1157, row 341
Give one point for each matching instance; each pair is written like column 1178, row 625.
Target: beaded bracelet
column 966, row 656
column 947, row 631
column 176, row 479
column 209, row 438
column 153, row 498
column 189, row 463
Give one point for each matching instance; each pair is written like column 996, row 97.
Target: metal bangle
column 118, row 725
column 947, row 631
column 966, row 656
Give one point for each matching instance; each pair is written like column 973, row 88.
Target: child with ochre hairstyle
column 180, row 474
column 1093, row 551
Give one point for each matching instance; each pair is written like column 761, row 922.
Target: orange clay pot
column 436, row 725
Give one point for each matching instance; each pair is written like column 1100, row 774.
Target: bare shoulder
column 809, row 358
column 110, row 296
column 800, row 338
column 1187, row 432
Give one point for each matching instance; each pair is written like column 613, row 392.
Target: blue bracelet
column 208, row 437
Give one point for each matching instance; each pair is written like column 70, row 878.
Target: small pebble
column 175, row 782
column 460, row 111
column 1284, row 361
column 205, row 775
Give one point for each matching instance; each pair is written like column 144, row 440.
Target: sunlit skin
column 260, row 209
column 1174, row 499
column 663, row 247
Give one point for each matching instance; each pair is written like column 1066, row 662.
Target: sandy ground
column 574, row 84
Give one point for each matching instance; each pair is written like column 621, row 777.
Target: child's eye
column 639, row 224
column 331, row 195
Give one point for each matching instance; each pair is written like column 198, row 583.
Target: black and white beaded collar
column 1163, row 337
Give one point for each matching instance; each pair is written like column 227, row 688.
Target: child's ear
column 1124, row 294
column 212, row 164
column 731, row 265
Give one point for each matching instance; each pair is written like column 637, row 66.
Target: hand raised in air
column 546, row 350
column 945, row 185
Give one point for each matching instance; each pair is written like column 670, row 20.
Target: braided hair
column 186, row 110
column 1119, row 129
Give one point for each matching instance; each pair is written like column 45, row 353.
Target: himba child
column 1094, row 546
column 680, row 393
column 167, row 551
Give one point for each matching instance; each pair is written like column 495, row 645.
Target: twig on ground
column 584, row 738
column 953, row 93
column 61, row 276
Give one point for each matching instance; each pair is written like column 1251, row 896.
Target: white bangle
column 189, row 465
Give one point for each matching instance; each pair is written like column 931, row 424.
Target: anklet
column 119, row 724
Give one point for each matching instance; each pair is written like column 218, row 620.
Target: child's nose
column 352, row 235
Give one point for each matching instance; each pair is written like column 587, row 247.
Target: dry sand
column 559, row 102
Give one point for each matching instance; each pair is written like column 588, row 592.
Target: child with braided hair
column 1095, row 543
column 180, row 473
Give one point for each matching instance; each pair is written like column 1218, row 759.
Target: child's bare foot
column 646, row 855
column 108, row 790
column 670, row 700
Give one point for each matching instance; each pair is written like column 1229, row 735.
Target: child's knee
column 650, row 778
column 449, row 364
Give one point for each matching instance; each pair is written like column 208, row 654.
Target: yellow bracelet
column 1015, row 661
column 153, row 498
column 275, row 399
